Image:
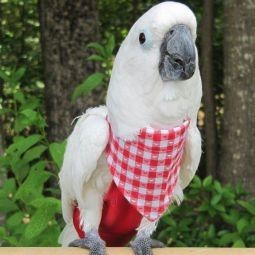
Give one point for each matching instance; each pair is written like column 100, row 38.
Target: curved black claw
column 157, row 244
column 92, row 241
column 142, row 246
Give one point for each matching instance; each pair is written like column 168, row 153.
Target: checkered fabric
column 146, row 170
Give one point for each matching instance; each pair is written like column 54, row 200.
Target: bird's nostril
column 179, row 62
column 171, row 31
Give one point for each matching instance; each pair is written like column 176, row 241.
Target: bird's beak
column 177, row 54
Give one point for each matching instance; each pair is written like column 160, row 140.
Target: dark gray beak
column 177, row 54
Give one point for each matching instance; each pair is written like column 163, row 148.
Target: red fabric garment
column 146, row 170
column 119, row 219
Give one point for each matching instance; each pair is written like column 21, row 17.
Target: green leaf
column 14, row 219
column 228, row 239
column 239, row 243
column 211, row 231
column 21, row 122
column 7, row 205
column 98, row 47
column 241, row 225
column 49, row 237
column 95, row 57
column 248, row 206
column 207, row 181
column 40, row 122
column 40, row 166
column 26, row 118
column 32, row 103
column 217, row 187
column 251, row 238
column 110, row 45
column 24, row 144
column 11, row 240
column 49, row 202
column 4, row 76
column 19, row 229
column 215, row 199
column 32, row 186
column 2, row 232
column 19, row 167
column 88, row 85
column 30, row 114
column 19, row 96
column 34, row 153
column 204, row 207
column 196, row 182
column 57, row 151
column 228, row 194
column 39, row 221
column 4, row 162
column 18, row 74
column 230, row 219
column 162, row 234
column 169, row 221
column 9, row 187
column 219, row 208
column 5, row 111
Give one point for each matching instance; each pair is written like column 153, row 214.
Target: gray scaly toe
column 142, row 246
column 91, row 241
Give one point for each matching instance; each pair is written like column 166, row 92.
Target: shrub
column 30, row 205
column 210, row 215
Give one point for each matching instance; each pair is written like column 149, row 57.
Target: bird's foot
column 142, row 245
column 91, row 241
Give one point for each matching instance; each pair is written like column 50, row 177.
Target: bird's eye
column 142, row 38
column 145, row 39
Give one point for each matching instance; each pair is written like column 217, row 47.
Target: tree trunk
column 208, row 93
column 237, row 162
column 66, row 28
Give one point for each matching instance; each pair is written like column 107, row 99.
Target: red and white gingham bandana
column 146, row 170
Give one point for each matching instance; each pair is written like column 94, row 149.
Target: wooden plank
column 128, row 251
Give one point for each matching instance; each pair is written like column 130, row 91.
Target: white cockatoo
column 155, row 83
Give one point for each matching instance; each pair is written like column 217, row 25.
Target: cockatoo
column 126, row 162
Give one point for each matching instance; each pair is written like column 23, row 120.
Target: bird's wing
column 191, row 157
column 84, row 147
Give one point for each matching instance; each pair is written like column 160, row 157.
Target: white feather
column 68, row 235
column 84, row 177
column 191, row 157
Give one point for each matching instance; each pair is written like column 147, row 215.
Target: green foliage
column 103, row 55
column 57, row 151
column 19, row 45
column 117, row 16
column 211, row 215
column 31, row 212
column 93, row 81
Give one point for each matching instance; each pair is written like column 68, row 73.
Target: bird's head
column 156, row 70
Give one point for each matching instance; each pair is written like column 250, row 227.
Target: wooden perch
column 128, row 251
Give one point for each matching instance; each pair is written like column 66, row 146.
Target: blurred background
column 55, row 61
